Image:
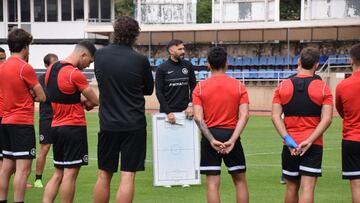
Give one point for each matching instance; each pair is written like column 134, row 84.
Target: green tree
column 290, row 9
column 124, row 8
column 204, row 12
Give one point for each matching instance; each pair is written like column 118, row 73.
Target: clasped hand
column 222, row 147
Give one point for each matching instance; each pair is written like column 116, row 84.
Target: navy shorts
column 131, row 145
column 293, row 167
column 18, row 141
column 70, row 147
column 210, row 163
column 45, row 131
column 350, row 159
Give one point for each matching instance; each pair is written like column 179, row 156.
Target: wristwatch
column 190, row 104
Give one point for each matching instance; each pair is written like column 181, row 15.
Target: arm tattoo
column 205, row 130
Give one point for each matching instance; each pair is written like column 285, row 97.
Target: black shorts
column 1, row 137
column 70, row 147
column 350, row 159
column 18, row 141
column 131, row 145
column 293, row 167
column 45, row 131
column 210, row 163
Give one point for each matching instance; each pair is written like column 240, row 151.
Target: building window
column 39, row 10
column 25, row 10
column 78, row 10
column 12, row 11
column 52, row 10
column 105, row 11
column 94, row 9
column 1, row 11
column 66, row 10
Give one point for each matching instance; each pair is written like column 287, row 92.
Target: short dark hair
column 174, row 42
column 19, row 39
column 355, row 54
column 309, row 57
column 47, row 58
column 126, row 30
column 2, row 50
column 88, row 46
column 217, row 57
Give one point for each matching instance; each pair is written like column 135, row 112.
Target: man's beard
column 180, row 57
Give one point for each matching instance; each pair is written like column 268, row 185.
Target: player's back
column 350, row 101
column 120, row 71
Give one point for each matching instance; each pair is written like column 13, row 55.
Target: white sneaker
column 186, row 185
column 167, row 186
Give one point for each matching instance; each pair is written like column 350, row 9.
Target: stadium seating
column 257, row 67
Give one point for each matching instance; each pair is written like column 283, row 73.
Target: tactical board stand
column 175, row 151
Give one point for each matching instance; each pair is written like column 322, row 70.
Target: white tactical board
column 175, row 151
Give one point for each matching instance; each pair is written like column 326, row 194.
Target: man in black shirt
column 44, row 125
column 175, row 81
column 124, row 77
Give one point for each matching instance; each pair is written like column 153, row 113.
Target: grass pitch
column 262, row 148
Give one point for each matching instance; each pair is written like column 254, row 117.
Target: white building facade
column 166, row 11
column 56, row 25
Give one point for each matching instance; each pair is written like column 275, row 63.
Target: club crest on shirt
column 185, row 71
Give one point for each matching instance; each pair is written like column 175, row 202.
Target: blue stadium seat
column 254, row 61
column 158, row 61
column 230, row 61
column 279, row 61
column 288, row 72
column 196, row 74
column 152, row 61
column 323, row 59
column 271, row 73
column 245, row 73
column 229, row 72
column 194, row 61
column 262, row 73
column 203, row 74
column 295, row 60
column 342, row 59
column 202, row 62
column 278, row 73
column 254, row 73
column 288, row 60
column 246, row 61
column 237, row 74
column 271, row 61
column 332, row 59
column 263, row 61
column 238, row 61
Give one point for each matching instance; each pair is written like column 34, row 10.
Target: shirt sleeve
column 79, row 80
column 159, row 85
column 196, row 99
column 339, row 104
column 276, row 97
column 192, row 81
column 244, row 97
column 29, row 76
column 327, row 96
column 147, row 78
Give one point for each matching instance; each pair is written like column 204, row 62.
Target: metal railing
column 247, row 76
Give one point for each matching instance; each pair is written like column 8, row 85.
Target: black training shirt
column 175, row 82
column 124, row 77
column 45, row 107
